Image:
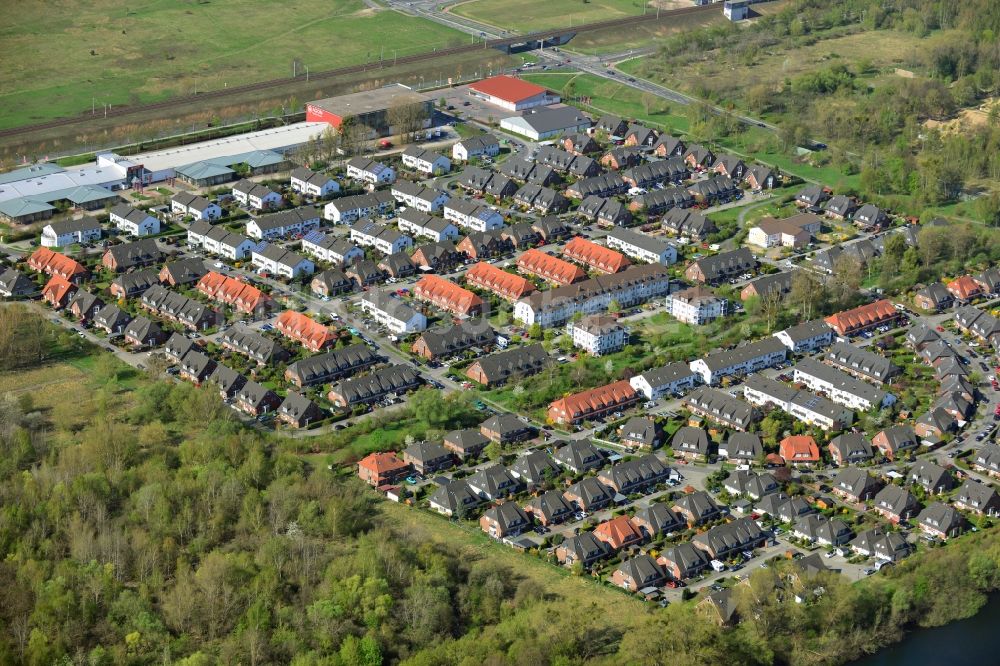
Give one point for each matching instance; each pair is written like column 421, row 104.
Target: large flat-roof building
column 369, row 108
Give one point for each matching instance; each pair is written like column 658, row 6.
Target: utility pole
column 307, row 73
column 293, row 68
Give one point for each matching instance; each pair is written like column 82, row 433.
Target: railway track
column 124, row 111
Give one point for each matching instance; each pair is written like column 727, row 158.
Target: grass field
column 882, row 50
column 59, row 58
column 528, row 15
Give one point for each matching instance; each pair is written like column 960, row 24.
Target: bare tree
column 407, row 119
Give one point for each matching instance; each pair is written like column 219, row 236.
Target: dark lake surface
column 972, row 641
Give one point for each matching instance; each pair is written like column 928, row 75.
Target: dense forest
column 140, row 524
column 873, row 120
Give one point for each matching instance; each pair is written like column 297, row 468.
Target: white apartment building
column 470, row 215
column 369, row 171
column 348, row 210
column 255, row 195
column 219, row 240
column 392, row 313
column 476, row 146
column 425, row 161
column 639, row 246
column 634, row 285
column 424, row 199
column 133, row 221
column 743, row 360
column 386, row 240
column 68, row 232
column 696, row 305
column 283, row 224
column 307, row 181
column 670, row 379
column 806, row 337
column 598, row 334
column 422, row 225
column 804, row 406
column 331, row 249
column 200, row 208
column 840, row 386
column 279, row 261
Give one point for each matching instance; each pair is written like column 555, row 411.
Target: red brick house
column 593, row 403
column 618, row 533
column 380, row 469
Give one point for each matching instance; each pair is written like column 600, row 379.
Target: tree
column 846, row 278
column 407, row 118
column 804, row 293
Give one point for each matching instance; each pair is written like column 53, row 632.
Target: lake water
column 973, row 641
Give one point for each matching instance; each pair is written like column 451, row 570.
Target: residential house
column 466, row 444
column 632, row 286
column 14, row 284
column 697, row 508
column 656, row 519
column 52, row 263
column 194, row 206
column 448, row 296
column 721, row 407
column 219, row 240
column 589, row 495
column 870, row 217
column 553, row 269
column 284, row 224
column 425, row 161
column 683, row 561
column 348, row 210
column 896, row 504
column 392, row 313
column 978, row 498
column 381, row 469
column 307, row 332
column 70, row 232
column 806, row 337
column 742, row 447
column 84, row 305
column 454, row 498
column 931, row 477
column 333, row 282
column 370, row 171
column 578, row 456
column 421, row 225
column 506, row 285
column 691, row 443
column 549, row 508
column 493, row 483
column 445, row 342
column 143, row 332
column 751, row 484
column 641, row 247
column 671, row 379
column 133, row 221
column 312, row 370
column 276, row 260
column 689, row 223
column 641, row 432
column 593, row 403
column 112, row 320
column 428, row 457
column 760, row 177
column 308, row 182
column 57, row 292
column 940, row 521
column 895, row 441
column 505, row 428
column 479, row 145
column 839, row 207
column 497, row 368
column 256, row 196
column 723, row 541
column 383, row 238
column 534, row 467
column 854, row 485
column 743, row 360
column 419, row 198
column 935, row 297
column 799, row 450
column 721, row 267
column 618, row 533
column 850, row 448
column 584, row 548
column 393, row 380
column 768, row 286
column 863, row 318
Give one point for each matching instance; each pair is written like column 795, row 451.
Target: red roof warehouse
column 511, row 93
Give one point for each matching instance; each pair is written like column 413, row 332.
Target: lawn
column 106, row 52
column 604, row 96
column 528, row 15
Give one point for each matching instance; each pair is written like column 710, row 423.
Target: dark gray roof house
column 744, row 446
column 228, row 381
column 589, row 494
column 896, row 503
column 298, row 410
column 656, row 519
column 534, row 467
column 941, row 520
column 506, row 427
column 455, row 498
column 689, row 441
column 549, row 507
column 932, row 478
column 697, row 507
column 578, row 456
column 854, row 484
column 494, row 482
